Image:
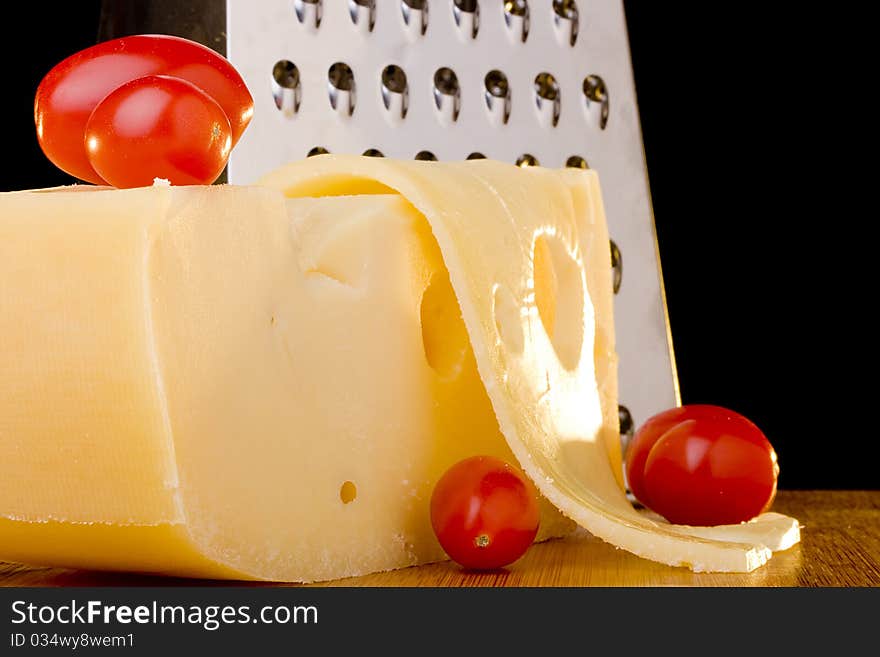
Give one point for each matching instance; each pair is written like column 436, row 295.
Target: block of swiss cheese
column 189, row 377
column 265, row 382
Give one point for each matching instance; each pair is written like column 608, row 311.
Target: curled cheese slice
column 528, row 259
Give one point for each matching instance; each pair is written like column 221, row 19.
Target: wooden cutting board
column 840, row 546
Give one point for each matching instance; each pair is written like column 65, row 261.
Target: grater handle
column 203, row 21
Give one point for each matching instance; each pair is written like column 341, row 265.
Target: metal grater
column 533, row 82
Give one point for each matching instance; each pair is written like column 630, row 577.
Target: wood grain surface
column 840, row 546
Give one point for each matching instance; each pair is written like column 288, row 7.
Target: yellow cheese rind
column 162, row 548
column 524, row 247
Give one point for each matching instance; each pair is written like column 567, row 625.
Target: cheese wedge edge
column 517, row 275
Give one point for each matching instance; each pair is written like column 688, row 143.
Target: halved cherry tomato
column 158, row 127
column 71, row 90
column 702, row 465
column 484, row 512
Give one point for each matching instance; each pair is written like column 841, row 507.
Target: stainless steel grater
column 533, row 82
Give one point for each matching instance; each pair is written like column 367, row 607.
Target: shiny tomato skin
column 653, row 429
column 711, row 470
column 70, row 92
column 485, row 513
column 158, row 127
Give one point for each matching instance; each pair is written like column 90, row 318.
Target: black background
column 743, row 115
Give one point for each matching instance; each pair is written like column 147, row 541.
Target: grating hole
column 467, row 15
column 496, row 84
column 395, row 94
column 594, row 89
column 497, row 95
column 516, row 17
column 341, row 88
column 341, row 76
column 576, row 162
column 447, row 94
column 426, row 156
column 566, row 19
column 627, row 429
column 348, row 492
column 373, row 152
column 547, row 98
column 596, row 98
column 309, row 12
column 317, row 150
column 394, row 79
column 415, row 14
column 616, row 267
column 476, row 156
column 546, row 86
column 286, row 74
column 446, row 81
column 527, row 160
column 627, row 426
column 286, row 88
column 363, row 12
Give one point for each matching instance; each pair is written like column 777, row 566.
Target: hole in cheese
column 348, row 492
column 337, row 253
column 559, row 296
column 443, row 333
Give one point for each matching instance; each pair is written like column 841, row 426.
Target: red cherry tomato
column 702, row 465
column 651, row 431
column 158, row 127
column 71, row 90
column 484, row 512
